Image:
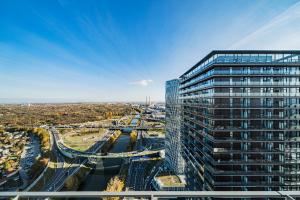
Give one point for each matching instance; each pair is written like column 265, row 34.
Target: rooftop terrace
column 244, row 56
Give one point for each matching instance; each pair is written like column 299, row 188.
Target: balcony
column 225, row 60
column 154, row 195
column 238, row 84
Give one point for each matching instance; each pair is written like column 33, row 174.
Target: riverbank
column 98, row 178
column 32, row 150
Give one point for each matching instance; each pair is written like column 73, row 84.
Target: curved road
column 59, row 170
column 63, row 169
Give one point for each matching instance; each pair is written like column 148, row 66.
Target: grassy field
column 157, row 124
column 170, row 180
column 82, row 138
column 156, row 133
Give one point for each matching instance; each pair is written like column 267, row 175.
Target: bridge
column 117, row 127
column 123, row 154
column 91, row 155
column 111, row 155
column 139, row 128
column 97, row 158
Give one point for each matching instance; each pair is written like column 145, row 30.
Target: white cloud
column 142, row 82
column 282, row 32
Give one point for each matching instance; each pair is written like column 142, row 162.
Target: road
column 151, row 142
column 116, row 127
column 63, row 169
column 60, row 160
column 93, row 155
column 136, row 175
column 150, row 178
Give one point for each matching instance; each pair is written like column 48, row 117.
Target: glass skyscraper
column 240, row 121
column 174, row 159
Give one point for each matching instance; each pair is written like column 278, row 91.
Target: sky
column 125, row 50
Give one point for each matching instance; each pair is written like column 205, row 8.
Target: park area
column 156, row 124
column 157, row 133
column 81, row 139
column 168, row 180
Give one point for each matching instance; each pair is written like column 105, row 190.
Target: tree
column 37, row 167
column 133, row 137
column 8, row 166
column 116, row 184
column 108, row 115
column 44, row 139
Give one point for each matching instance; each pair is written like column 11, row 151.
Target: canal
column 98, row 178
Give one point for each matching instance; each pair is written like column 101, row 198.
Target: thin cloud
column 282, row 32
column 143, row 83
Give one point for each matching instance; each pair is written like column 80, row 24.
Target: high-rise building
column 240, row 121
column 173, row 159
column 148, row 101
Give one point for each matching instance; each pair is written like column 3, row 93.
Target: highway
column 114, row 127
column 60, row 169
column 136, row 175
column 92, row 154
column 117, row 155
column 63, row 169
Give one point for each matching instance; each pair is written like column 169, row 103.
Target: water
column 31, row 151
column 135, row 120
column 98, row 179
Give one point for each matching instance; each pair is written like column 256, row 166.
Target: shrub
column 44, row 139
column 116, row 184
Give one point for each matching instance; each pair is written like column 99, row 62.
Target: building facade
column 240, row 121
column 173, row 158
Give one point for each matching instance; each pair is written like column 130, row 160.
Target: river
column 31, row 151
column 98, row 179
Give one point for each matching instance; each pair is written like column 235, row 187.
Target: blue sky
column 125, row 50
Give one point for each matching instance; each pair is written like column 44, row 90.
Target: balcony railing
column 157, row 194
column 245, row 95
column 234, row 60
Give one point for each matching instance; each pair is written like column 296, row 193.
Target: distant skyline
column 111, row 50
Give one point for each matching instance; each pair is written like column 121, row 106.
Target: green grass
column 82, row 139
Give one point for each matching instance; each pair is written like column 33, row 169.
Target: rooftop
column 170, row 180
column 253, row 56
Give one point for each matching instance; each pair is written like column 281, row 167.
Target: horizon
column 103, row 51
column 59, row 101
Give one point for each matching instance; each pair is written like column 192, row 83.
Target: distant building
column 240, row 121
column 174, row 159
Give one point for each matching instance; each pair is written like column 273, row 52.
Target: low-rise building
column 169, row 182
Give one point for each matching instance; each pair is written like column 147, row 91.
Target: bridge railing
column 107, row 155
column 118, row 127
column 158, row 194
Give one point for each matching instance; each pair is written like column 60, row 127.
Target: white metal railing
column 224, row 59
column 248, row 94
column 157, row 194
